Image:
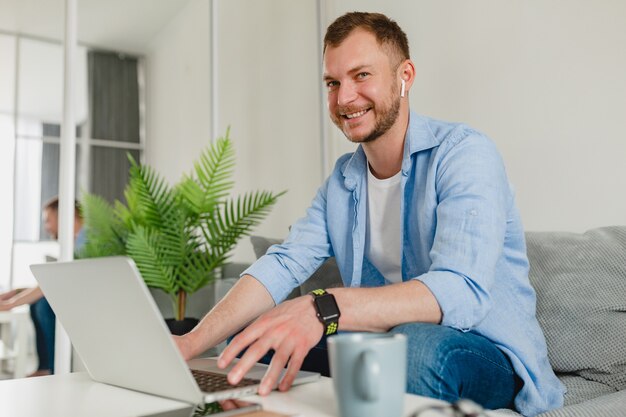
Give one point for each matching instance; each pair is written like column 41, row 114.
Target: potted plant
column 178, row 236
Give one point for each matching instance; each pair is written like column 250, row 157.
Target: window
column 107, row 112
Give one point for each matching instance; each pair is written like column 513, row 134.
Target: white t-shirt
column 383, row 238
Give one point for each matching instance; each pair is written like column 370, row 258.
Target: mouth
column 354, row 115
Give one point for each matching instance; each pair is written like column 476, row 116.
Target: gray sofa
column 580, row 280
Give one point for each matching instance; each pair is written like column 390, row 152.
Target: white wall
column 178, row 95
column 269, row 94
column 40, row 96
column 545, row 80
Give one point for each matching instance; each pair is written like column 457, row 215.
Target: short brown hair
column 53, row 204
column 386, row 31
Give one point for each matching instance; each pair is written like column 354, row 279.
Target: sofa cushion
column 609, row 405
column 580, row 389
column 580, row 281
column 326, row 276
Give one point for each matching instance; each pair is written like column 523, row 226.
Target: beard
column 386, row 116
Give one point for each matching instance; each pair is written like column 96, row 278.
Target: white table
column 73, row 395
column 13, row 334
column 318, row 400
column 77, row 395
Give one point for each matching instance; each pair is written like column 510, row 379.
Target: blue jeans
column 44, row 320
column 449, row 364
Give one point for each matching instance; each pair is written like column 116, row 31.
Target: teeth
column 357, row 114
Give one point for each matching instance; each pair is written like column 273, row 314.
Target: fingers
column 295, row 363
column 277, row 339
column 277, row 365
column 247, row 361
column 7, row 295
column 231, row 351
column 254, row 352
column 287, row 330
column 228, row 405
column 239, row 343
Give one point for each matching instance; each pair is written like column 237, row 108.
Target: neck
column 384, row 154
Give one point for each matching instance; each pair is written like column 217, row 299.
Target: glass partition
column 108, row 99
column 7, row 147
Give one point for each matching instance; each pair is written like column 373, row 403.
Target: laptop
column 118, row 331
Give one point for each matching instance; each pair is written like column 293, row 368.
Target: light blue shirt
column 81, row 239
column 461, row 236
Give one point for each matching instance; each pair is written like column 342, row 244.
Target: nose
column 347, row 93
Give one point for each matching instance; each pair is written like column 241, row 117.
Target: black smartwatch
column 327, row 310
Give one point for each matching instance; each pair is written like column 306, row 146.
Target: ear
column 406, row 73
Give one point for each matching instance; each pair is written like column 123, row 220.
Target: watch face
column 327, row 307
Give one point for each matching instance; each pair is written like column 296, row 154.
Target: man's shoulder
column 448, row 135
column 443, row 130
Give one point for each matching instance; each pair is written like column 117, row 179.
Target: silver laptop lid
column 116, row 327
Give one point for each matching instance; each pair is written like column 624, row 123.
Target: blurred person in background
column 42, row 315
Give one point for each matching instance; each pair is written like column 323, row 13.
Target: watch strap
column 330, row 319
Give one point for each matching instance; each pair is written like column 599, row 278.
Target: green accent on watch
column 327, row 310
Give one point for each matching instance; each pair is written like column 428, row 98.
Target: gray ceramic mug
column 369, row 373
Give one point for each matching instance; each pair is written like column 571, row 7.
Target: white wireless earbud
column 403, row 88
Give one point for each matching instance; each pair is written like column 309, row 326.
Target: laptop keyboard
column 212, row 382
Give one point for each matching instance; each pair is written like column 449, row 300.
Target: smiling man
column 427, row 237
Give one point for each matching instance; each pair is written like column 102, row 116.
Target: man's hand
column 18, row 297
column 247, row 300
column 6, row 305
column 7, row 299
column 9, row 294
column 291, row 329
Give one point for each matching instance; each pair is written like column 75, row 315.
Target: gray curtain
column 50, row 159
column 50, row 154
column 113, row 96
column 113, row 115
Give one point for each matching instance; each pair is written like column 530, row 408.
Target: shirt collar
column 418, row 138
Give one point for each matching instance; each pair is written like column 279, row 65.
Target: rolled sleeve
column 473, row 195
column 270, row 272
column 291, row 263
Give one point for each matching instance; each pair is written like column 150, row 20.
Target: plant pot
column 181, row 327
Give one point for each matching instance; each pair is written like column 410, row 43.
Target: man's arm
column 292, row 328
column 10, row 294
column 244, row 302
column 18, row 297
column 381, row 308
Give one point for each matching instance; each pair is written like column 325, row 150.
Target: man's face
column 363, row 92
column 51, row 222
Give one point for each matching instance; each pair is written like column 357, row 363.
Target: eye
column 362, row 75
column 331, row 85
